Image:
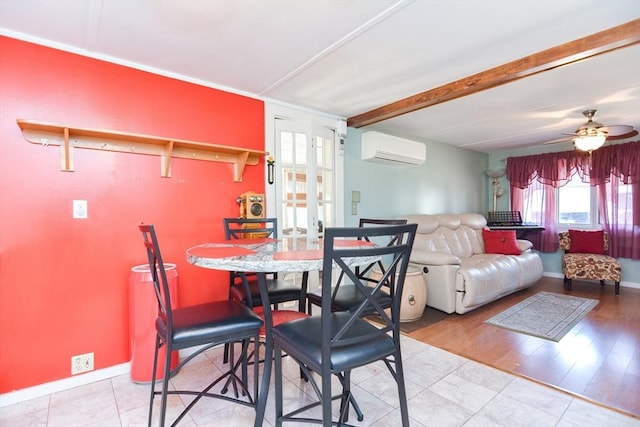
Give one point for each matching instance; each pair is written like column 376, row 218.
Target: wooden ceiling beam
column 596, row 44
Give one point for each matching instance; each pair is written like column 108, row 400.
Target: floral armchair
column 586, row 258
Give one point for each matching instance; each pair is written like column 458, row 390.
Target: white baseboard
column 71, row 382
column 623, row 284
column 64, row 384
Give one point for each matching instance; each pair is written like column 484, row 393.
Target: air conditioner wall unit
column 382, row 148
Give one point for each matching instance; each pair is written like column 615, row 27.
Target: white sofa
column 460, row 275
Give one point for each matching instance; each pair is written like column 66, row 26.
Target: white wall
column 452, row 180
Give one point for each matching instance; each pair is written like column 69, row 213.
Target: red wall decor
column 64, row 281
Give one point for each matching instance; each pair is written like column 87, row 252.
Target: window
column 548, row 189
column 577, row 205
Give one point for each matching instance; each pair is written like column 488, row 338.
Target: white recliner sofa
column 460, row 275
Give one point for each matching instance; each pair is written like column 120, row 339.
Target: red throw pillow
column 586, row 242
column 500, row 242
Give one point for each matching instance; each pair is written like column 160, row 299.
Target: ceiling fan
column 592, row 135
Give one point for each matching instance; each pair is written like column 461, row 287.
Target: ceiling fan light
column 589, row 142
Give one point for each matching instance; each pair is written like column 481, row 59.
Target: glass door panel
column 306, row 193
column 294, row 188
column 306, row 204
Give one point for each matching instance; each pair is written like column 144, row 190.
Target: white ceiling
column 346, row 57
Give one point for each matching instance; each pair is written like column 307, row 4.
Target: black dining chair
column 242, row 284
column 200, row 327
column 346, row 297
column 335, row 343
column 279, row 290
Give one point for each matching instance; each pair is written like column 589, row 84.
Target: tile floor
column 443, row 390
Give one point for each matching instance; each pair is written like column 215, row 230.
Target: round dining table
column 268, row 255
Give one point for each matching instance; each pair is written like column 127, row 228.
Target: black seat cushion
column 303, row 338
column 219, row 321
column 279, row 291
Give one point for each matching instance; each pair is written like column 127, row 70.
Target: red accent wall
column 64, row 281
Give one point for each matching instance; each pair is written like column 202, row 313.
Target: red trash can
column 143, row 311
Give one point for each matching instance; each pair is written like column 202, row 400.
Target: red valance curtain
column 622, row 161
column 555, row 169
column 607, row 168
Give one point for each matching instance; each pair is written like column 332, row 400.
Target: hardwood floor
column 599, row 359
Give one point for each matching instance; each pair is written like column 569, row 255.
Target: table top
column 267, row 255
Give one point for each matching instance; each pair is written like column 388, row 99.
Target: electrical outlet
column 80, row 209
column 354, row 208
column 81, row 363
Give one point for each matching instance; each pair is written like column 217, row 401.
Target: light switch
column 355, row 196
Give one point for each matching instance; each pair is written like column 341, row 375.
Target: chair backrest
column 368, row 222
column 338, row 260
column 564, row 241
column 158, row 273
column 247, row 228
column 375, row 221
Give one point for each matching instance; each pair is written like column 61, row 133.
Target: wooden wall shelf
column 68, row 138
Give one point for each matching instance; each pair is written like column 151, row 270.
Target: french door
column 306, row 180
